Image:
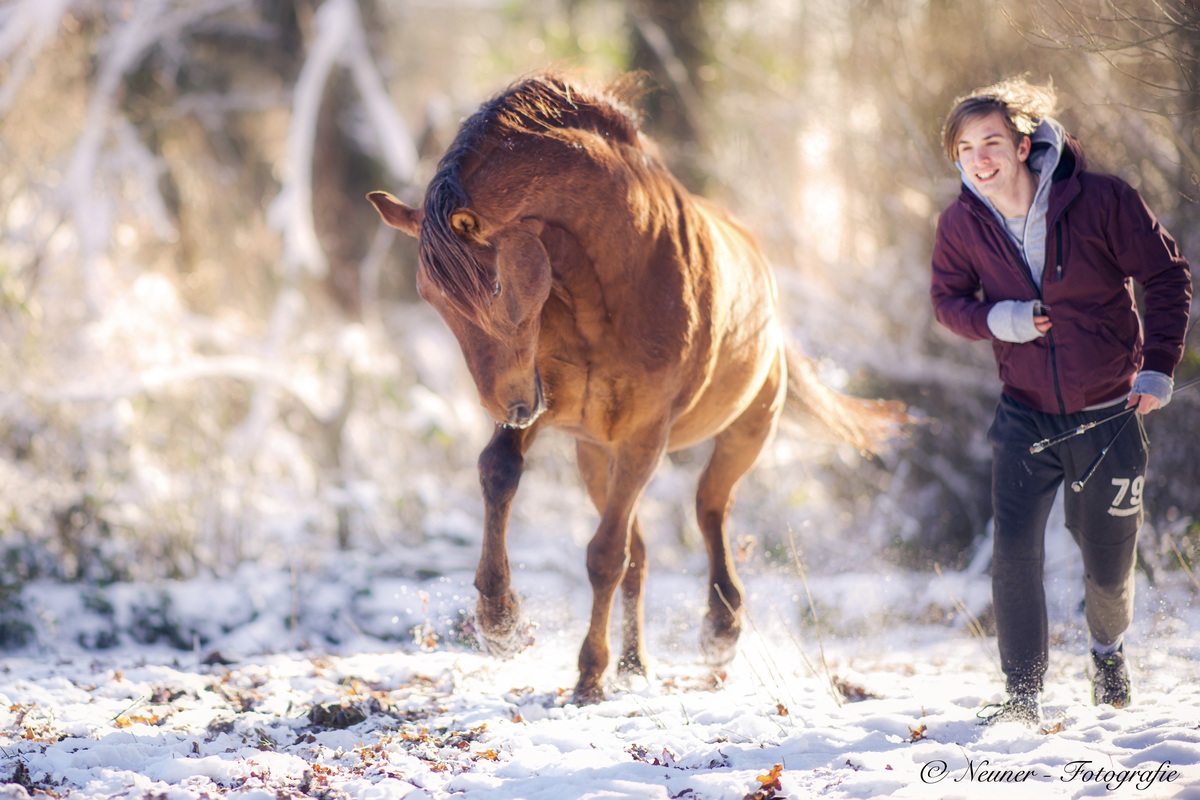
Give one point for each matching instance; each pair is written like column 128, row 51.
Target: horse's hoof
column 587, row 695
column 633, row 664
column 498, row 625
column 718, row 643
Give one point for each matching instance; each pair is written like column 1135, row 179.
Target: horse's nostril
column 520, row 413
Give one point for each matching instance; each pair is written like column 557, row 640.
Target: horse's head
column 489, row 283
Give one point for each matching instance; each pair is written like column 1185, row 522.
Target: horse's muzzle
column 521, row 414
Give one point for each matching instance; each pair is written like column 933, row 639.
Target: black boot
column 1023, row 708
column 1110, row 679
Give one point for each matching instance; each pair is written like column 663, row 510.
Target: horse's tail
column 869, row 425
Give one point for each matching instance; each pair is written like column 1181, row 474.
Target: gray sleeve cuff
column 1012, row 321
column 1155, row 384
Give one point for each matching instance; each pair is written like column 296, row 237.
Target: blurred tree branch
column 1156, row 43
column 1153, row 43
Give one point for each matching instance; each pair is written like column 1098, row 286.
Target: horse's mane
column 544, row 104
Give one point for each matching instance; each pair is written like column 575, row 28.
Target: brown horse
column 591, row 292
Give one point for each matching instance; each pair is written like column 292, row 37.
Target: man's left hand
column 1145, row 403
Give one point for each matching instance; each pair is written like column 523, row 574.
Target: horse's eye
column 496, row 288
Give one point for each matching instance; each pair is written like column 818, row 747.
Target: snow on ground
column 280, row 706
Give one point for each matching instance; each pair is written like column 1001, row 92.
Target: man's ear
column 396, row 214
column 1024, row 147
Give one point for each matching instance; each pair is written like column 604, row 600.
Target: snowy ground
column 259, row 712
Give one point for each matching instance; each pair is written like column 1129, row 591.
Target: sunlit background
column 211, row 351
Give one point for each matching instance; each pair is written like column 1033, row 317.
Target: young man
column 1036, row 255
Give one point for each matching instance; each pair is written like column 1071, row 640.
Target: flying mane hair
column 544, row 104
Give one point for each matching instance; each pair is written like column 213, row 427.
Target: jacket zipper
column 1062, row 407
column 1058, row 270
column 1021, row 265
column 1058, row 248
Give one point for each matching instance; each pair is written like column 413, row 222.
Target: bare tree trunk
column 671, row 43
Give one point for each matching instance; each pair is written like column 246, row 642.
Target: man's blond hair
column 1022, row 105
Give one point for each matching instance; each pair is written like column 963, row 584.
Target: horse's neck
column 621, row 285
column 610, row 197
column 608, row 215
column 620, row 222
column 575, row 274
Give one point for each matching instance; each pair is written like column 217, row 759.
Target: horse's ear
column 465, row 223
column 396, row 214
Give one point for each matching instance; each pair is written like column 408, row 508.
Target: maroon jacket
column 1099, row 234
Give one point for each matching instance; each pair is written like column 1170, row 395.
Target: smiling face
column 996, row 165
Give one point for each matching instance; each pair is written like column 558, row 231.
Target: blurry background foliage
column 211, row 351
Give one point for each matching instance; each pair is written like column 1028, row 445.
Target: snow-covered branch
column 26, row 27
column 149, row 23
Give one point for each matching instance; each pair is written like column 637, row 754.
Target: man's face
column 993, row 163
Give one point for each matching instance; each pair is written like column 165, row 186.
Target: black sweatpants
column 1103, row 518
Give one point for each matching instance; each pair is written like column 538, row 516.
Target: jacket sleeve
column 955, row 288
column 1148, row 254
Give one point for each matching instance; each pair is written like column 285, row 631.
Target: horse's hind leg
column 633, row 652
column 595, row 465
column 498, row 613
column 734, row 452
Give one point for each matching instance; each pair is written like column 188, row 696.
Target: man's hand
column 1151, row 390
column 1018, row 321
column 1145, row 403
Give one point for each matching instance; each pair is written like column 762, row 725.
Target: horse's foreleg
column 608, row 556
column 498, row 613
column 734, row 452
column 595, row 466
